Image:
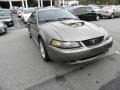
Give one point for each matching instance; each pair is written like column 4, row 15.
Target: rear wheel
column 112, row 16
column 43, row 51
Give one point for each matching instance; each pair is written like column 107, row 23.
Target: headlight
column 65, row 44
column 5, row 25
column 8, row 20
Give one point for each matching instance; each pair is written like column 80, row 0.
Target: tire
column 112, row 16
column 101, row 17
column 97, row 18
column 30, row 35
column 43, row 51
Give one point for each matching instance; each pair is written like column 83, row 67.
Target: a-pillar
column 10, row 3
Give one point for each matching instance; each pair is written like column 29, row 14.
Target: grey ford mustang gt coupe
column 63, row 37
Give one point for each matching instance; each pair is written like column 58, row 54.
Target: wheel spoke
column 42, row 50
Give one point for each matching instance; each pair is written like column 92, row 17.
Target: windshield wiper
column 66, row 18
column 59, row 19
column 45, row 21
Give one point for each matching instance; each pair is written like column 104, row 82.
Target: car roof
column 8, row 10
column 47, row 8
column 28, row 8
column 4, row 9
column 75, row 7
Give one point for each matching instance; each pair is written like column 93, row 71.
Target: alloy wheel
column 42, row 50
column 97, row 18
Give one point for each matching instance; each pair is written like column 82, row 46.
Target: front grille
column 93, row 41
column 82, row 59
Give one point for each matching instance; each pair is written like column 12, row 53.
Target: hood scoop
column 73, row 23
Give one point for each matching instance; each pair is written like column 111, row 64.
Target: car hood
column 76, row 30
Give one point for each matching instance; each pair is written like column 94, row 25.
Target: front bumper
column 80, row 55
column 106, row 15
column 9, row 23
column 3, row 30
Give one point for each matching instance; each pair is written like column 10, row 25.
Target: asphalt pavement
column 22, row 68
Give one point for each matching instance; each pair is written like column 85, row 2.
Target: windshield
column 86, row 9
column 4, row 13
column 107, row 8
column 28, row 11
column 66, row 7
column 95, row 7
column 102, row 6
column 55, row 14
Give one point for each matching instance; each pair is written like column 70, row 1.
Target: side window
column 114, row 8
column 79, row 11
column 33, row 18
column 118, row 8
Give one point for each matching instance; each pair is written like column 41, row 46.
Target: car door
column 34, row 25
column 115, row 10
column 118, row 10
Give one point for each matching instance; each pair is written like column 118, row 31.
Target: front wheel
column 43, row 51
column 112, row 16
column 97, row 18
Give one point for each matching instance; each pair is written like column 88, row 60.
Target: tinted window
column 28, row 11
column 86, row 9
column 54, row 14
column 95, row 7
column 107, row 8
column 33, row 18
column 4, row 13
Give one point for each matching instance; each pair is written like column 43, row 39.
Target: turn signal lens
column 56, row 43
column 66, row 44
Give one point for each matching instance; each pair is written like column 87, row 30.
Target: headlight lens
column 65, row 44
column 9, row 20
